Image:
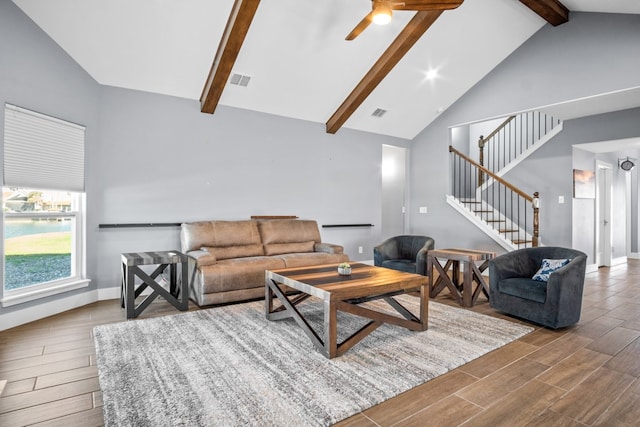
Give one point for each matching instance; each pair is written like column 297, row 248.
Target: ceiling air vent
column 239, row 80
column 379, row 112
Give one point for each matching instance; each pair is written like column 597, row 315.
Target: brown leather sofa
column 227, row 259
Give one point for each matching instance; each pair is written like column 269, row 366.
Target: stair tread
column 509, row 231
column 496, row 220
column 520, row 242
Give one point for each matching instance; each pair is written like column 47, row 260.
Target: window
column 43, row 203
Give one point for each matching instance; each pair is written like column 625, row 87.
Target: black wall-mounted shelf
column 141, row 225
column 345, row 225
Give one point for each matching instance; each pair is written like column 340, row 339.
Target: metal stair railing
column 512, row 138
column 504, row 207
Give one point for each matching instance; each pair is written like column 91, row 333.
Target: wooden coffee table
column 345, row 293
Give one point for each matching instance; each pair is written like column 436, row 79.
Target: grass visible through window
column 37, row 258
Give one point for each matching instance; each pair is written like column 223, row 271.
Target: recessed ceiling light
column 431, row 74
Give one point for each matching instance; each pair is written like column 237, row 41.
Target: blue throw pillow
column 548, row 267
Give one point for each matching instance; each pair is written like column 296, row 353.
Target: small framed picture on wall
column 584, row 184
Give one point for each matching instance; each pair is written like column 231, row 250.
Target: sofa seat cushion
column 237, row 273
column 311, row 258
column 532, row 290
column 405, row 265
column 238, row 251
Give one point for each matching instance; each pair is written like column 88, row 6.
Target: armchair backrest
column 526, row 262
column 407, row 246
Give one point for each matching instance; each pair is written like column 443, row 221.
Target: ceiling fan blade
column 426, row 4
column 362, row 25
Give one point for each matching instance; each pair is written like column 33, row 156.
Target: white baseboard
column 618, row 261
column 109, row 293
column 21, row 317
column 592, row 268
column 634, row 255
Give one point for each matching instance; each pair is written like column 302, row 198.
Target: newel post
column 481, row 143
column 536, row 218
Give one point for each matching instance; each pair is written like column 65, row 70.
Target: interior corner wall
column 35, row 73
column 591, row 54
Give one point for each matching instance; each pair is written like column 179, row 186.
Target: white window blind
column 42, row 151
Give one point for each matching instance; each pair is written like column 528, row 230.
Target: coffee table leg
column 330, row 329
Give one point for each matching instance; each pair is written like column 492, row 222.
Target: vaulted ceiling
column 295, row 52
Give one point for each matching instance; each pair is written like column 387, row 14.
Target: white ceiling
column 295, row 53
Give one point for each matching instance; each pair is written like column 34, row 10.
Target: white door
column 603, row 214
column 393, row 190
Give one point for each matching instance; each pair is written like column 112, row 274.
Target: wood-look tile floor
column 585, row 375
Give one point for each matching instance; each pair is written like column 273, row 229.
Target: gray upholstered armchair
column 404, row 253
column 555, row 303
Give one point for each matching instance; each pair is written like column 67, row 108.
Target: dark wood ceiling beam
column 552, row 11
column 394, row 53
column 234, row 34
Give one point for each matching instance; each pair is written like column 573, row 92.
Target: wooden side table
column 178, row 295
column 463, row 292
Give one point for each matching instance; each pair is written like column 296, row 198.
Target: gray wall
column 153, row 158
column 591, row 54
column 161, row 160
column 36, row 74
column 604, row 127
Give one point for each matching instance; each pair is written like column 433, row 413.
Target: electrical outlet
column 423, row 209
column 560, row 199
column 359, row 249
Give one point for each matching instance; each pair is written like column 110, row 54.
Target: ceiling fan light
column 382, row 15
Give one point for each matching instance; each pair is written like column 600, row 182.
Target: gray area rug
column 229, row 366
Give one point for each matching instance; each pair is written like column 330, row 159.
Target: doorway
column 394, row 178
column 603, row 213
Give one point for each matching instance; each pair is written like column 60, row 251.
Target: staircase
column 480, row 193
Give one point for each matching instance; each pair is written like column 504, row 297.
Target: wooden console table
column 463, row 293
column 178, row 296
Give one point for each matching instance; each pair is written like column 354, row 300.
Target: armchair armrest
column 385, row 250
column 328, row 248
column 421, row 260
column 567, row 281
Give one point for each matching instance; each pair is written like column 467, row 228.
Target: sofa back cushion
column 288, row 235
column 289, row 248
column 224, row 239
column 240, row 251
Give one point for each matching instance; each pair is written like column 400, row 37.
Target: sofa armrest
column 328, row 248
column 202, row 258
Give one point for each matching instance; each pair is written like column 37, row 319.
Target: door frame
column 603, row 231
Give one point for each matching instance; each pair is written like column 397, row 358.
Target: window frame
column 77, row 280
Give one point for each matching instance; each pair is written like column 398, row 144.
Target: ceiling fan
column 381, row 11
